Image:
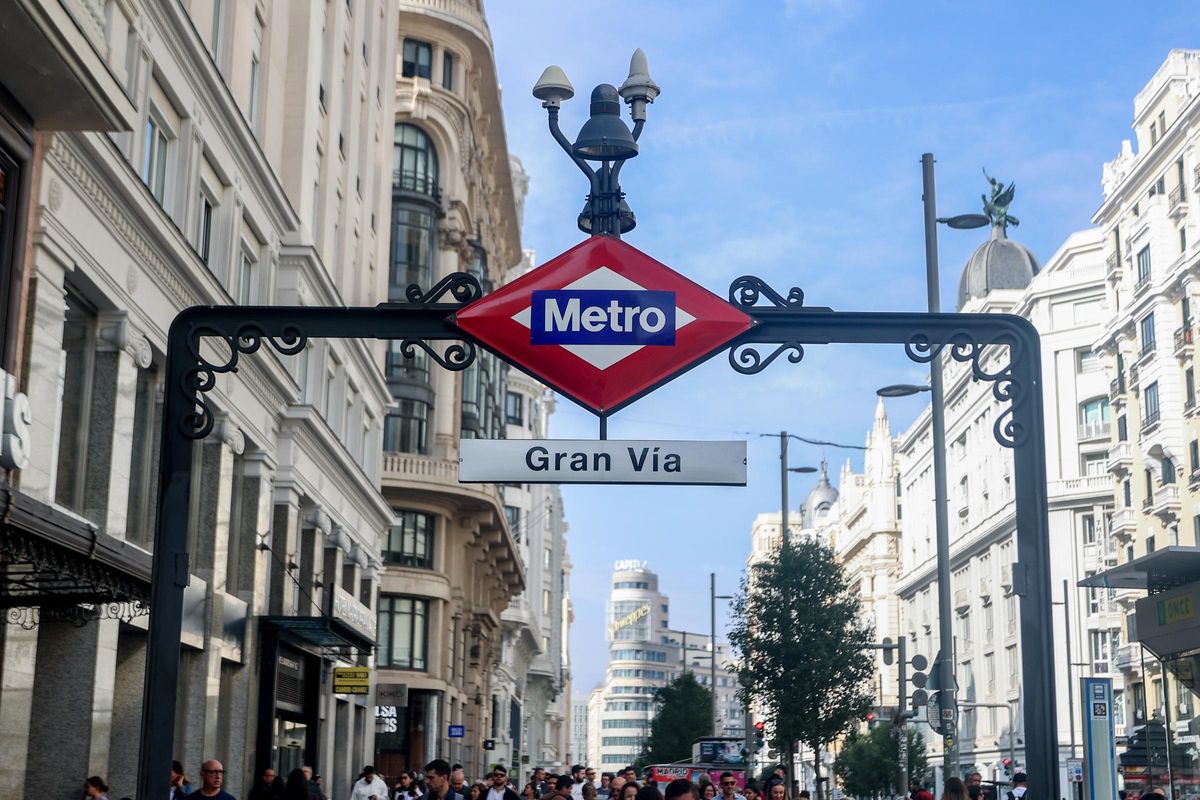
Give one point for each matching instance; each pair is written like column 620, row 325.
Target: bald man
column 212, row 776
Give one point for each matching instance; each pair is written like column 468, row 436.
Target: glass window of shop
column 403, row 632
column 410, row 543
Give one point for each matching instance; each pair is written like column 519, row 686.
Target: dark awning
column 52, row 559
column 324, row 633
column 1165, row 568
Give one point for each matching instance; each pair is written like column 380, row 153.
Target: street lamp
column 712, row 664
column 945, row 657
column 901, row 390
column 604, row 138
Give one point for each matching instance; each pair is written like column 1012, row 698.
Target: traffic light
column 870, row 718
column 760, row 733
column 1007, row 765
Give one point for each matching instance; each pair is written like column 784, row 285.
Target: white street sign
column 602, row 461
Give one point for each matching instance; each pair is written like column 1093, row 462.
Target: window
column 214, row 41
column 1153, row 133
column 403, row 632
column 418, row 57
column 414, row 161
column 401, row 366
column 1010, row 655
column 1182, row 239
column 1150, row 404
column 1087, row 361
column 143, row 485
column 412, row 249
column 1194, row 452
column 1122, row 429
column 404, row 430
column 1087, row 525
column 255, row 71
column 80, row 328
column 154, row 164
column 410, row 543
column 1127, row 492
column 1162, row 123
column 1168, row 471
column 546, row 597
column 204, row 228
column 547, row 557
column 513, row 515
column 1189, row 387
column 1100, row 651
column 513, row 406
column 1094, row 417
column 247, row 279
column 1147, row 332
column 448, row 71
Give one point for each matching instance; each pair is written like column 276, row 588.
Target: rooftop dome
column 820, row 499
column 999, row 263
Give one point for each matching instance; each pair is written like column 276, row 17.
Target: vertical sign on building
column 1099, row 745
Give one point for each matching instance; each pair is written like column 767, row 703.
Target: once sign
column 605, row 461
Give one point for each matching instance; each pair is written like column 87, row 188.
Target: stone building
column 212, row 153
column 452, row 561
column 1065, row 300
column 1151, row 243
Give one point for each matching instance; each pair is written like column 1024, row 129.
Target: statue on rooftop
column 997, row 207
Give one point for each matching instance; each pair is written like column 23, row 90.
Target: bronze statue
column 997, row 208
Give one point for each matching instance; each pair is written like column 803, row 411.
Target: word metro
column 604, row 461
column 602, row 316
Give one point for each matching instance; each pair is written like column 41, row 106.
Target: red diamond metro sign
column 603, row 323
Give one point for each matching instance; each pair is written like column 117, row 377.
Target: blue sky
column 787, row 144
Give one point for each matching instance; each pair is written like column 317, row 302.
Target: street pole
column 712, row 659
column 902, row 705
column 1070, row 683
column 945, row 666
column 783, row 481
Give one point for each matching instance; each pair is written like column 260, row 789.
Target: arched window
column 414, row 161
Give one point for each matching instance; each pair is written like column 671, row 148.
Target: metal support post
column 945, row 665
column 903, row 712
column 1070, row 683
column 712, row 657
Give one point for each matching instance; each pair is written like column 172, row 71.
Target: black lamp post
column 604, row 138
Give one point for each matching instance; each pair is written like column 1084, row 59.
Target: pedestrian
column 708, row 791
column 369, row 787
column 777, row 792
column 729, row 787
column 95, row 788
column 630, row 774
column 604, row 790
column 581, row 789
column 458, row 780
column 212, row 777
column 750, row 792
column 615, row 786
column 477, row 791
column 264, row 787
column 918, row 792
column 406, row 786
column 680, row 789
column 1018, row 790
column 954, row 789
column 529, row 793
column 296, row 787
column 500, row 790
column 649, row 792
column 437, row 780
column 629, row 790
column 540, row 785
column 179, row 781
column 314, row 782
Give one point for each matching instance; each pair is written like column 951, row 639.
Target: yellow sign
column 629, row 619
column 1176, row 609
column 351, row 680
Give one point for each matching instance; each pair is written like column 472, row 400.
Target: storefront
column 406, row 728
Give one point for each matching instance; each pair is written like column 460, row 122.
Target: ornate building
column 1151, row 243
column 455, row 559
column 206, row 153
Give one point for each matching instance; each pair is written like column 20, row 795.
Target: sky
column 786, row 144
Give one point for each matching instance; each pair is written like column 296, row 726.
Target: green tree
column 684, row 714
column 869, row 764
column 801, row 646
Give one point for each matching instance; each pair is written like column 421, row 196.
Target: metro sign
column 603, row 323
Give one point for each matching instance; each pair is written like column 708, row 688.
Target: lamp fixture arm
column 556, row 132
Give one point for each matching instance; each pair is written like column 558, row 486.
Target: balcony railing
column 1196, row 177
column 1123, row 523
column 1134, row 374
column 1143, row 283
column 1150, row 418
column 1120, row 458
column 1147, row 350
column 1166, row 500
column 1175, row 199
column 1112, row 264
column 416, row 182
column 1095, row 430
column 1183, row 339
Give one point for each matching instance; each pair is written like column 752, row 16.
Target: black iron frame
column 783, row 322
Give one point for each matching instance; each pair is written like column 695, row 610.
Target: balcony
column 1112, row 266
column 1194, row 478
column 1183, row 341
column 962, row 600
column 1150, row 420
column 1147, row 351
column 1189, row 404
column 464, row 13
column 1123, row 525
column 1116, row 391
column 1134, row 375
column 1101, row 429
column 1165, row 502
column 1120, row 459
column 1127, row 657
column 1085, row 485
column 1006, row 578
column 1143, row 283
column 409, row 182
column 1196, row 177
column 1176, row 202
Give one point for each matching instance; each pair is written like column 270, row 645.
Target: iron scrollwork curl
column 202, row 377
column 463, row 286
column 1007, row 430
column 749, row 361
column 458, row 356
column 747, row 290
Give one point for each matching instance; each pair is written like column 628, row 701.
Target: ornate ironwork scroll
column 1007, row 430
column 747, row 290
column 457, row 357
column 463, row 286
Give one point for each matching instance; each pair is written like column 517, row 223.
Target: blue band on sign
column 602, row 316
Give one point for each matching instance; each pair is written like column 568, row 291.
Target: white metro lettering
column 602, row 316
column 568, row 317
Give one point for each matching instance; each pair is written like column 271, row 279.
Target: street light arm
column 556, row 132
column 637, row 128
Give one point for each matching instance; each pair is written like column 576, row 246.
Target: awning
column 327, row 634
column 1163, row 569
column 51, row 559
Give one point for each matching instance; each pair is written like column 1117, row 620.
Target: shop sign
column 351, row 680
column 456, row 732
column 1176, row 609
column 386, row 719
column 695, row 463
column 349, row 610
column 17, row 417
column 633, row 616
column 392, row 694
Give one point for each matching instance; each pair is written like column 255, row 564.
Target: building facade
column 1151, row 243
column 233, row 169
column 1066, row 302
column 577, row 752
column 453, row 561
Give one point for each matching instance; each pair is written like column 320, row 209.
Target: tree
column 869, row 764
column 801, row 646
column 684, row 714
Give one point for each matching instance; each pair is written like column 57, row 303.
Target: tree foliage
column 801, row 645
column 684, row 714
column 869, row 764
